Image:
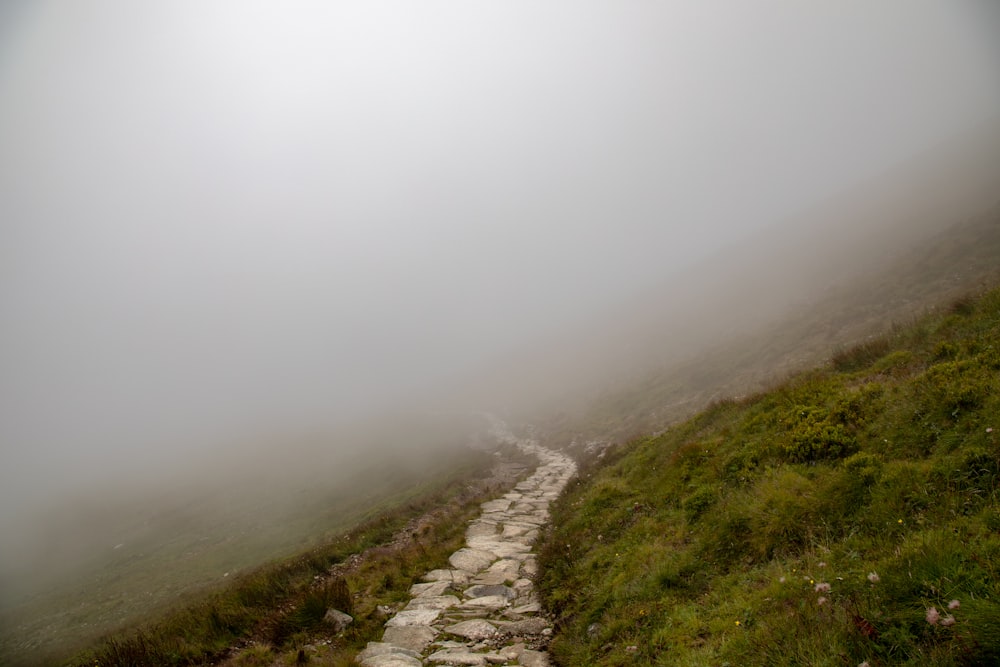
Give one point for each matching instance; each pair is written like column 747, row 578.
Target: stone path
column 483, row 610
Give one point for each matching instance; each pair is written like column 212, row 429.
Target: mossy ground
column 814, row 524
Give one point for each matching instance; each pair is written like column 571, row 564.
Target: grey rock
column 496, row 549
column 487, row 602
column 527, row 626
column 413, row 637
column 490, row 578
column 476, row 629
column 454, row 656
column 472, row 560
column 337, row 619
column 385, row 648
column 523, row 586
column 391, row 660
column 509, row 567
column 380, row 654
column 533, row 659
column 500, row 505
column 432, row 602
column 481, row 529
column 431, row 589
column 413, row 617
column 481, row 590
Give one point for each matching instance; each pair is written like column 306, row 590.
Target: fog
column 225, row 223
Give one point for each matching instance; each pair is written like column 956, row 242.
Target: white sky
column 218, row 216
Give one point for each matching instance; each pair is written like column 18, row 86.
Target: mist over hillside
column 875, row 244
column 252, row 250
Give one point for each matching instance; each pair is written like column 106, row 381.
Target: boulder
column 337, row 619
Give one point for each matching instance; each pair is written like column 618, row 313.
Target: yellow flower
column 900, row 521
column 737, row 622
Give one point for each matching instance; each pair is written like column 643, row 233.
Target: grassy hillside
column 273, row 614
column 849, row 515
column 151, row 575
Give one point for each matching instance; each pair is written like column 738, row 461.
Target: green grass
column 704, row 545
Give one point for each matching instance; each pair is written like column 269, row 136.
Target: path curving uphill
column 483, row 610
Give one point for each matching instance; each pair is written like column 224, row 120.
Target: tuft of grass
column 861, row 355
column 832, row 520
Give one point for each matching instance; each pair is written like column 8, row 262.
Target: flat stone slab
column 481, row 529
column 509, row 566
column 483, row 590
column 431, row 589
column 476, row 629
column 530, row 658
column 494, row 544
column 415, row 638
column 385, row 648
column 515, row 530
column 490, row 602
column 490, row 578
column 432, row 602
column 454, row 656
column 499, row 505
column 391, row 660
column 413, row 617
column 383, row 654
column 472, row 560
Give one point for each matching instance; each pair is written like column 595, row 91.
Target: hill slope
column 910, row 280
column 819, row 523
